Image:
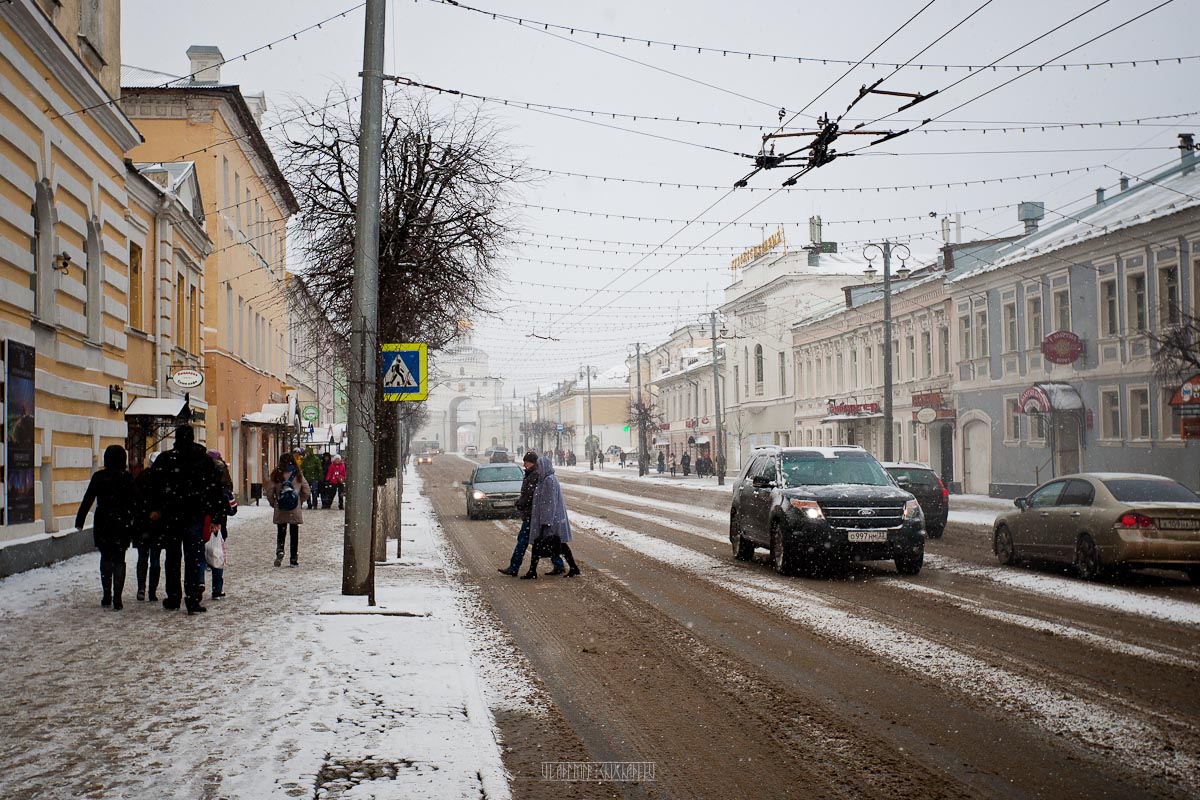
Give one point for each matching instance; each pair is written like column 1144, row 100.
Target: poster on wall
column 18, row 422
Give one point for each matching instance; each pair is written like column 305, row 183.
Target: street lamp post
column 886, row 249
column 716, row 371
column 591, row 447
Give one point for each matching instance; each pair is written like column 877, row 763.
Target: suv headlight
column 810, row 508
column 912, row 510
column 478, row 495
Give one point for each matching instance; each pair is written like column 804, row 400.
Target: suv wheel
column 743, row 550
column 935, row 531
column 910, row 563
column 782, row 556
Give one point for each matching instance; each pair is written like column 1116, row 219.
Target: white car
column 470, row 450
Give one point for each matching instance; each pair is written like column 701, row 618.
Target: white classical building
column 459, row 389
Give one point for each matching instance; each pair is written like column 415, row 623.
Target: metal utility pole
column 885, row 248
column 357, row 564
column 640, row 410
column 591, row 447
column 559, row 429
column 712, row 323
column 525, row 422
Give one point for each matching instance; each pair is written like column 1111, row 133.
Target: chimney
column 257, row 104
column 1187, row 152
column 204, row 63
column 1100, row 196
column 1124, row 183
column 1031, row 214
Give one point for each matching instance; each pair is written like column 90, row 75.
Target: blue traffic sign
column 405, row 373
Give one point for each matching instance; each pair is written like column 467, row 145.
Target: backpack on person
column 288, row 499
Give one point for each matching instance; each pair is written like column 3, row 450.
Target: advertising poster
column 18, row 421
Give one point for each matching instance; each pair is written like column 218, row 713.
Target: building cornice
column 37, row 31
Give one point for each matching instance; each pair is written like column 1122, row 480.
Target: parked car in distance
column 497, row 455
column 470, row 450
column 925, row 485
column 814, row 505
column 493, row 489
column 425, row 458
column 1104, row 521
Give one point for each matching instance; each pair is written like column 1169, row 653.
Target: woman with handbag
column 549, row 525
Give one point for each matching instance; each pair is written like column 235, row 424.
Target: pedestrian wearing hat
column 525, row 507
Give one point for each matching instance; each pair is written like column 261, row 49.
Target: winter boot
column 106, row 586
column 528, row 576
column 279, row 559
column 118, row 583
column 573, row 572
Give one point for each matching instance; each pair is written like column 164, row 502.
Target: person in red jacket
column 337, row 477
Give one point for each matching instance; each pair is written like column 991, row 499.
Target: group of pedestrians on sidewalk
column 544, row 518
column 703, row 464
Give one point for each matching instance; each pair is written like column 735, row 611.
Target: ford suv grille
column 859, row 517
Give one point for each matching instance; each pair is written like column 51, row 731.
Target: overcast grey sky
column 456, row 48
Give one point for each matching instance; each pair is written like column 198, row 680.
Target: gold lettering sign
column 769, row 244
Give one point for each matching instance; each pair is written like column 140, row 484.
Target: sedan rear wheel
column 743, row 550
column 1087, row 559
column 1006, row 552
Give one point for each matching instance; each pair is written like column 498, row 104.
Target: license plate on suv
column 866, row 536
column 1179, row 524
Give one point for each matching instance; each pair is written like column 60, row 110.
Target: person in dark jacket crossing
column 147, row 538
column 186, row 491
column 111, row 489
column 525, row 507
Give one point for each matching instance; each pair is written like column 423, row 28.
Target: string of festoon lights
column 679, row 47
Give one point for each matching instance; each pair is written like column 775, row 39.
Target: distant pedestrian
column 661, row 462
column 186, row 495
column 218, row 570
column 311, row 466
column 147, row 537
column 551, row 530
column 286, row 494
column 621, row 458
column 525, row 508
column 111, row 489
column 686, row 463
column 673, row 465
column 336, row 477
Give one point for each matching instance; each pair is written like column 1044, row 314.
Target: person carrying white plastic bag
column 214, row 557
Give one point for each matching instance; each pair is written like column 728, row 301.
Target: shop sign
column 926, row 415
column 851, row 409
column 187, row 378
column 310, row 413
column 927, row 399
column 665, row 426
column 751, row 253
column 1188, row 393
column 1189, row 428
column 1062, row 347
column 1034, row 401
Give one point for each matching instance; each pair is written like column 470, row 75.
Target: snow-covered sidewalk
column 283, row 689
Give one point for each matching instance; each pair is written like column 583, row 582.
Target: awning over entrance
column 700, row 440
column 170, row 407
column 662, row 442
column 271, row 414
column 1046, row 398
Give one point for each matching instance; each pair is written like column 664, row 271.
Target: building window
column 1012, row 419
column 854, row 368
column 1109, row 313
column 911, row 349
column 944, row 336
column 981, row 334
column 966, row 341
column 1168, row 295
column 895, row 359
column 241, row 327
column 1033, row 321
column 758, row 363
column 1170, row 415
column 1037, row 427
column 869, row 367
column 1139, row 413
column 926, row 354
column 180, row 313
column 746, row 374
column 737, row 395
column 840, row 380
column 1135, row 297
column 1062, row 310
column 914, row 440
column 808, row 437
column 237, row 200
column 897, row 440
column 93, row 309
column 229, row 320
column 135, row 286
column 1010, row 327
column 194, row 315
column 1110, row 414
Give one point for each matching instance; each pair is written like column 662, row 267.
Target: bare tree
column 1176, row 348
column 644, row 417
column 446, row 180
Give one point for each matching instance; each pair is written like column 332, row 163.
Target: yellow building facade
column 64, row 256
column 250, row 415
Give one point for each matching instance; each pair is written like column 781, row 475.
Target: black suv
column 815, row 505
column 929, row 490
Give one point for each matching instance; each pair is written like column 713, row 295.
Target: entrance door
column 1066, row 443
column 945, row 435
column 977, row 457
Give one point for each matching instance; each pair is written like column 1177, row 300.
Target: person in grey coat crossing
column 549, row 519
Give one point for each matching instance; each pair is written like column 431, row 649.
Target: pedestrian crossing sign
column 405, row 373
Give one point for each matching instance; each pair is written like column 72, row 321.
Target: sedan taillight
column 945, row 491
column 1135, row 520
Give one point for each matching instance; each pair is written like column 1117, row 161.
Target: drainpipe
column 160, row 226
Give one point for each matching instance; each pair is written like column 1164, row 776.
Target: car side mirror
column 1021, row 503
column 759, row 482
